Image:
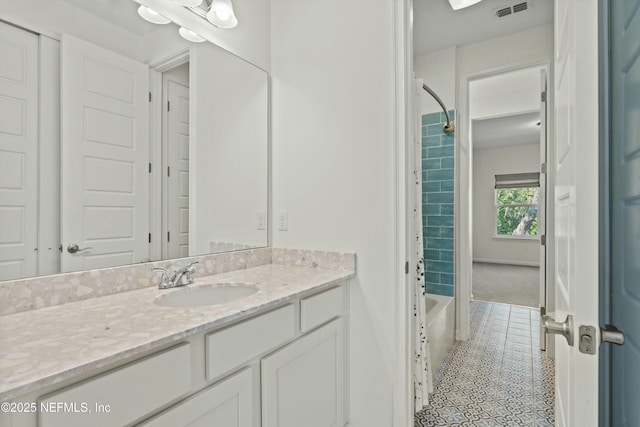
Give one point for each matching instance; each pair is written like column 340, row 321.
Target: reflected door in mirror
column 18, row 152
column 105, row 156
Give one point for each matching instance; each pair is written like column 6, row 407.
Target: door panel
column 105, row 154
column 625, row 209
column 576, row 205
column 178, row 162
column 18, row 152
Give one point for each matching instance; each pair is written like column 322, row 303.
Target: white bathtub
column 440, row 320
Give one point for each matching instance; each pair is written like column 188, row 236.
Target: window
column 517, row 204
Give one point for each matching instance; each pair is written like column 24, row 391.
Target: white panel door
column 18, row 152
column 576, row 206
column 105, row 155
column 177, row 176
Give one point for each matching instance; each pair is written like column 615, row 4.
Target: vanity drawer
column 317, row 309
column 131, row 392
column 237, row 344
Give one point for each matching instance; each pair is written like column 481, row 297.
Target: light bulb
column 461, row 4
column 221, row 14
column 190, row 35
column 152, row 16
column 222, row 10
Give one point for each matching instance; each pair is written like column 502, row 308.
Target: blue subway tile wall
column 437, row 203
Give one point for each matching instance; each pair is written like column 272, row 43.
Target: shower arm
column 448, row 127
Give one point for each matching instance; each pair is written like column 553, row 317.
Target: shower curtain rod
column 448, row 127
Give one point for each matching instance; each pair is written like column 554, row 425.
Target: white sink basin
column 205, row 295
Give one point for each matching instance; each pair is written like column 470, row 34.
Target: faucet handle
column 189, row 270
column 160, row 270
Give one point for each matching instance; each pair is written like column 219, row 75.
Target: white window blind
column 518, row 180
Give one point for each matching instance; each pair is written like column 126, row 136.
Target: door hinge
column 543, row 240
column 168, row 236
column 543, row 168
column 168, row 171
column 406, row 267
column 168, row 105
column 149, row 96
column 149, row 237
column 149, row 167
column 543, row 96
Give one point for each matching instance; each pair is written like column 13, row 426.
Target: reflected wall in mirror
column 122, row 143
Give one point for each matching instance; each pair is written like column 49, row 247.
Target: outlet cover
column 283, row 220
column 261, row 220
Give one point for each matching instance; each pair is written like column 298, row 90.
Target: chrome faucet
column 181, row 277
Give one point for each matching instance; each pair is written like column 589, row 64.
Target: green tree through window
column 517, row 211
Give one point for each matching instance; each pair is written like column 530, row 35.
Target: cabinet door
column 228, row 403
column 303, row 384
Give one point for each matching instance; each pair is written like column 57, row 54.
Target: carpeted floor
column 509, row 284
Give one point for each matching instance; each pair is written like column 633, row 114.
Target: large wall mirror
column 122, row 143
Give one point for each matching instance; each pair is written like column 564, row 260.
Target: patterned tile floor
column 499, row 377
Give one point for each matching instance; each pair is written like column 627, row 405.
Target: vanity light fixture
column 217, row 12
column 461, row 4
column 221, row 14
column 187, row 34
column 152, row 16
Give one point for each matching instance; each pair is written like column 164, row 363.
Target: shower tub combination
column 440, row 320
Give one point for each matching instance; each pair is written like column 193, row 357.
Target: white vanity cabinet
column 303, row 384
column 284, row 367
column 228, row 403
column 122, row 395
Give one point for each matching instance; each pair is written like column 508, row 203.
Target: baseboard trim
column 507, row 262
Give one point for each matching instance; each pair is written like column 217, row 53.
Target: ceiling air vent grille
column 505, row 11
column 520, row 7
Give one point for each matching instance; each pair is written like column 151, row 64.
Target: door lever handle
column 561, row 328
column 74, row 248
column 611, row 334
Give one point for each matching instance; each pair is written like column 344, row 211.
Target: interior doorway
column 169, row 156
column 507, row 117
column 175, row 162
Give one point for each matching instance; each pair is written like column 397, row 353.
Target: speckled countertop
column 50, row 345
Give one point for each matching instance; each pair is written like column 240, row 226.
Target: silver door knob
column 561, row 328
column 74, row 248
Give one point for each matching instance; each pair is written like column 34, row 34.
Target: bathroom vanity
column 276, row 357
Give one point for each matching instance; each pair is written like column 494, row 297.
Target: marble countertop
column 42, row 347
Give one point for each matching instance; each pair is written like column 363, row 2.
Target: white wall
column 333, row 66
column 505, row 94
column 228, row 150
column 57, row 17
column 438, row 70
column 523, row 47
column 487, row 163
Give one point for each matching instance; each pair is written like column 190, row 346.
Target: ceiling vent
column 521, row 6
column 505, row 11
